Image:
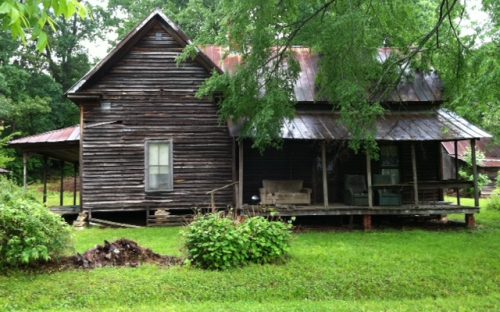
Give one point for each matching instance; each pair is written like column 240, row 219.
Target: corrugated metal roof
column 420, row 88
column 437, row 125
column 486, row 146
column 70, row 134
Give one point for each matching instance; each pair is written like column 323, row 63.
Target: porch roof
column 439, row 125
column 60, row 144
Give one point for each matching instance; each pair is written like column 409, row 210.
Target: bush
column 216, row 242
column 494, row 201
column 267, row 241
column 29, row 232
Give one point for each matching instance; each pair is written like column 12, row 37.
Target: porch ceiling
column 440, row 125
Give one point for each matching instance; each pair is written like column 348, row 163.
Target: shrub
column 216, row 242
column 29, row 232
column 267, row 241
column 494, row 202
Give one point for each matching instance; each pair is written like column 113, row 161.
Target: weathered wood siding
column 153, row 98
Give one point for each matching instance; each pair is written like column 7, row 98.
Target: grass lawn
column 392, row 270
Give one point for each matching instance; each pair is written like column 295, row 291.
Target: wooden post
column 44, row 180
column 470, row 220
column 457, row 190
column 61, row 189
column 25, row 171
column 367, row 222
column 474, row 172
column 369, row 179
column 414, row 168
column 240, row 173
column 325, row 177
column 75, row 171
column 212, row 201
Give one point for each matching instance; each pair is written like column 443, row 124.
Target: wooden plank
column 61, row 187
column 325, row 176
column 474, row 172
column 240, row 173
column 414, row 171
column 45, row 160
column 369, row 179
column 457, row 190
column 25, row 171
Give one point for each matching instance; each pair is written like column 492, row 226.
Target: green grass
column 53, row 197
column 392, row 270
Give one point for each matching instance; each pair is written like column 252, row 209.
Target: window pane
column 159, row 170
column 164, row 169
column 153, row 154
column 164, row 151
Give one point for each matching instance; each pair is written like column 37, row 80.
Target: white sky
column 477, row 19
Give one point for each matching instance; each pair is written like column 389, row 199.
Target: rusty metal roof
column 440, row 125
column 486, row 146
column 420, row 88
column 70, row 134
column 59, row 144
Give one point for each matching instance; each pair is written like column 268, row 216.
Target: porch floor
column 343, row 209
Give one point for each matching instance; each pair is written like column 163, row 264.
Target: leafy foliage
column 494, row 202
column 466, row 173
column 29, row 232
column 268, row 242
column 20, row 16
column 218, row 243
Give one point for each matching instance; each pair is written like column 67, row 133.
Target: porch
column 60, row 146
column 406, row 178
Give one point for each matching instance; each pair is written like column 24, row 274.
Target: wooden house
column 147, row 143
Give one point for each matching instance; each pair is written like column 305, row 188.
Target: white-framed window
column 159, row 165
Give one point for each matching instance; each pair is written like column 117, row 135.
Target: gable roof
column 133, row 37
column 423, row 87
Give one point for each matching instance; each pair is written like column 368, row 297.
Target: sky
column 98, row 48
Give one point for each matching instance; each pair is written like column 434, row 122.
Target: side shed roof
column 60, row 144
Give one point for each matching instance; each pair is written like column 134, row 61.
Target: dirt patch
column 121, row 253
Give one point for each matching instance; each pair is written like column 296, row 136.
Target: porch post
column 25, row 171
column 240, row 173
column 44, row 180
column 61, row 189
column 457, row 190
column 474, row 172
column 75, row 170
column 369, row 179
column 325, row 177
column 414, row 168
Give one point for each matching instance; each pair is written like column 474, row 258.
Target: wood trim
column 147, row 142
column 414, row 169
column 325, row 176
column 474, row 172
column 369, row 179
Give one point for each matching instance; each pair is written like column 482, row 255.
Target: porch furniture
column 386, row 196
column 355, row 191
column 284, row 192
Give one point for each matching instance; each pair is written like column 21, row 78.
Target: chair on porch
column 355, row 191
column 386, row 196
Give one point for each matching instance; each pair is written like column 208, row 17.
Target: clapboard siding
column 153, row 98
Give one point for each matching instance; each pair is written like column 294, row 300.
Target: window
column 389, row 162
column 158, row 159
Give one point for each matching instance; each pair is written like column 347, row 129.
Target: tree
column 34, row 16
